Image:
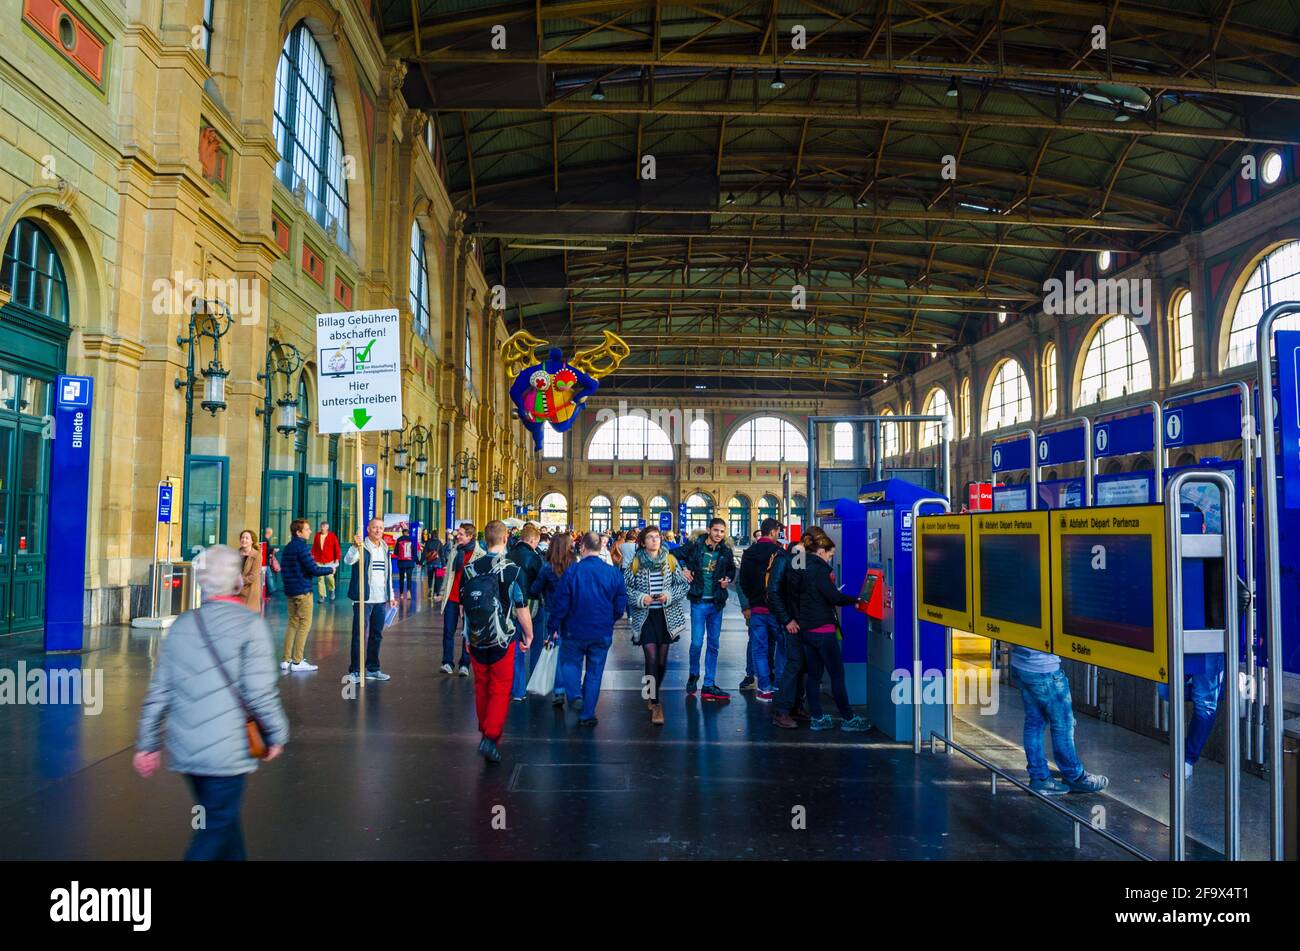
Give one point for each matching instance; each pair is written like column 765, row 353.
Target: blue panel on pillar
column 451, row 510
column 369, row 479
column 65, row 576
column 665, row 521
column 1011, row 456
column 1287, row 343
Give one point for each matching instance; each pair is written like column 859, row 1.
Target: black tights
column 656, row 663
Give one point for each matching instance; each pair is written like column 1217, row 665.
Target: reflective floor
column 395, row 775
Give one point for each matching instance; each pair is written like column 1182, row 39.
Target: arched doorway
column 600, row 514
column 699, row 510
column 555, row 510
column 738, row 518
column 33, row 351
column 629, row 511
column 769, row 507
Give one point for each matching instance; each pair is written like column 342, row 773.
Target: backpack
column 486, row 619
column 403, row 549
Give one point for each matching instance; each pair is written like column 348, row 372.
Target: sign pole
column 361, row 563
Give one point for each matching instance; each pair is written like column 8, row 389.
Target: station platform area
column 395, row 775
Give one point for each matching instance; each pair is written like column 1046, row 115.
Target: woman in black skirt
column 656, row 595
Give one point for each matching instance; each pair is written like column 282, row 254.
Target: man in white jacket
column 379, row 597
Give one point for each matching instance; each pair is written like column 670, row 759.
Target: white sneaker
column 464, row 671
column 448, row 669
column 354, row 677
column 284, row 665
column 377, row 675
column 303, row 665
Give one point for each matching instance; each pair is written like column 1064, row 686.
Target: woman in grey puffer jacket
column 206, row 737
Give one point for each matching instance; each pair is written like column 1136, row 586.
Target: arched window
column 629, row 511
column 1182, row 340
column 699, row 439
column 552, row 443
column 936, row 404
column 1049, row 380
column 699, row 511
column 658, row 505
column 965, row 407
column 34, row 274
column 1008, row 397
column 308, row 132
column 1275, row 278
column 600, row 514
column 907, row 427
column 419, row 281
column 1115, row 363
column 738, row 518
column 555, row 510
column 799, row 509
column 889, row 442
column 768, row 507
column 766, row 439
column 207, row 31
column 843, row 442
column 469, row 355
column 630, row 437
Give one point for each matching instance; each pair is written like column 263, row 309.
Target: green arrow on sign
column 360, row 417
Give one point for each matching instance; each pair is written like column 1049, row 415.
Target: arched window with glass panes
column 601, row 520
column 658, row 505
column 842, row 438
column 419, row 281
column 1276, row 278
column 1115, row 363
column 555, row 510
column 766, row 439
column 1008, row 397
column 552, row 443
column 699, row 511
column 630, row 437
column 699, row 439
column 936, row 404
column 1049, row 380
column 629, row 511
column 890, row 443
column 965, row 407
column 1182, row 339
column 738, row 518
column 308, row 132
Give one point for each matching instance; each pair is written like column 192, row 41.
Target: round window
column 1103, row 260
column 67, row 33
column 1271, row 167
column 551, row 470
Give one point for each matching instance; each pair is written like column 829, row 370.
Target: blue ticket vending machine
column 873, row 533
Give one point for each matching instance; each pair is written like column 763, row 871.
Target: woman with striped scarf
column 656, row 598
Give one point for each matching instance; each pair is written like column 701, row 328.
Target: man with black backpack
column 756, row 566
column 493, row 601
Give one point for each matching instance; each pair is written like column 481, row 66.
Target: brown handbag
column 257, row 748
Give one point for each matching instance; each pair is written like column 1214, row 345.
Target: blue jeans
column 572, row 653
column 526, row 660
column 1204, row 689
column 706, row 617
column 762, row 628
column 1047, row 703
column 450, row 621
column 220, row 839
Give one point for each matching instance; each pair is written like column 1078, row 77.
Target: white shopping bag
column 542, row 682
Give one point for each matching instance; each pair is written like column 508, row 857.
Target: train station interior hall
column 890, row 410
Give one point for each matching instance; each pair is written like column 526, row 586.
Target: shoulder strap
column 203, row 633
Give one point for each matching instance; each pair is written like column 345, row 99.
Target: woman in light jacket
column 656, row 598
column 250, row 571
column 216, row 669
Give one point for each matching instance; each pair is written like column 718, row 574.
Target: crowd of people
column 505, row 597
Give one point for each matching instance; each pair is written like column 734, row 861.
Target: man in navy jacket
column 298, row 571
column 590, row 597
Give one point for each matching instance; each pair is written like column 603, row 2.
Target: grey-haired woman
column 215, row 672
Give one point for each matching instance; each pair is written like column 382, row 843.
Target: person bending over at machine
column 1046, row 692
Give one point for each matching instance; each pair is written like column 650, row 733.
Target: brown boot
column 785, row 721
column 657, row 714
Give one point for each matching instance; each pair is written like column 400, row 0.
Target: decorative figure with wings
column 552, row 391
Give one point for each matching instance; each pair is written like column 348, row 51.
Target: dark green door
column 24, row 469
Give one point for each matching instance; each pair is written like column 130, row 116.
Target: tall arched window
column 469, row 356
column 907, row 428
column 965, row 407
column 552, row 443
column 699, row 439
column 207, row 31
column 1049, row 380
column 34, row 274
column 658, row 505
column 766, row 439
column 419, row 281
column 889, row 441
column 1008, row 397
column 555, row 510
column 308, row 132
column 699, row 511
column 1275, row 278
column 630, row 437
column 843, row 442
column 768, row 507
column 1115, row 363
column 629, row 511
column 738, row 518
column 600, row 514
column 936, row 404
column 1182, row 340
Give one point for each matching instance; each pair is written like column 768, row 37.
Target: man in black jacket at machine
column 783, row 587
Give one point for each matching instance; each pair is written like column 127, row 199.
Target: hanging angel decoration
column 553, row 390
